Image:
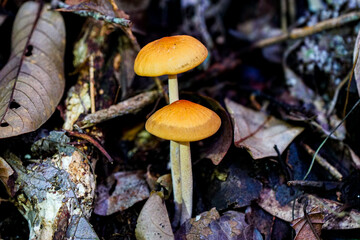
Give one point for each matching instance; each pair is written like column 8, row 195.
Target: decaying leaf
column 121, row 191
column 209, row 225
column 5, row 172
column 258, row 132
column 303, row 228
column 333, row 217
column 153, row 222
column 215, row 147
column 32, row 82
column 54, row 195
column 237, row 189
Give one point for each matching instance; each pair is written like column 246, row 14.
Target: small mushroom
column 184, row 121
column 171, row 56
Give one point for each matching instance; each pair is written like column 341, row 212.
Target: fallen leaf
column 258, row 132
column 238, row 189
column 32, row 82
column 54, row 195
column 333, row 219
column 215, row 147
column 302, row 226
column 153, row 222
column 209, row 225
column 5, row 172
column 121, row 191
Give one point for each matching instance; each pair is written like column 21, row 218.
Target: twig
column 306, row 31
column 98, row 16
column 92, row 83
column 92, row 141
column 131, row 105
column 161, row 88
column 308, row 220
column 325, row 164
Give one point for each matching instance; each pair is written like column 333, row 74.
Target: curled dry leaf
column 258, row 132
column 153, row 222
column 5, row 172
column 32, row 82
column 303, row 228
column 215, row 147
column 121, row 191
column 209, row 225
column 333, row 217
column 54, row 195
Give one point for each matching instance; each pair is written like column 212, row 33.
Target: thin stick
column 92, row 83
column 306, row 31
column 92, row 141
column 98, row 16
column 283, row 15
column 131, row 105
column 161, row 89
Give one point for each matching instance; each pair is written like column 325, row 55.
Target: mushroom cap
column 183, row 121
column 170, row 56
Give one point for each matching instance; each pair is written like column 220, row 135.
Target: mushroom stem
column 176, row 180
column 173, row 88
column 175, row 155
column 186, row 181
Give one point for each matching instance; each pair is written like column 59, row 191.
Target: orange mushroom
column 171, row 56
column 184, row 122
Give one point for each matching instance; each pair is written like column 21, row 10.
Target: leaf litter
column 288, row 95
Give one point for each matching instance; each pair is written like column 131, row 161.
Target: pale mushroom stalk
column 186, row 181
column 175, row 156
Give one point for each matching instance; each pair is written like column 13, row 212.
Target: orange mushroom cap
column 170, row 56
column 183, row 121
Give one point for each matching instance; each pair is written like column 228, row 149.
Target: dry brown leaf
column 209, row 225
column 258, row 132
column 303, row 229
column 121, row 191
column 332, row 217
column 153, row 222
column 32, row 82
column 215, row 147
column 5, row 172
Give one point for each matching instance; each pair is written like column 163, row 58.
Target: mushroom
column 171, row 56
column 184, row 121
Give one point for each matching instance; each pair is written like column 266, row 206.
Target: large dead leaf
column 215, row 147
column 121, row 191
column 32, row 82
column 258, row 132
column 209, row 225
column 333, row 217
column 5, row 172
column 153, row 222
column 303, row 228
